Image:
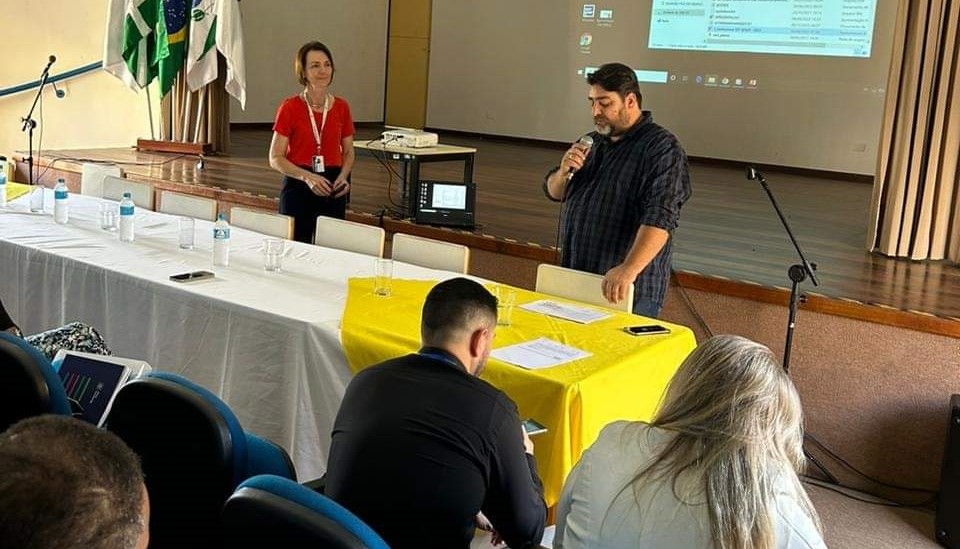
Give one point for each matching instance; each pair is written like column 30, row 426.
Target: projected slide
column 840, row 28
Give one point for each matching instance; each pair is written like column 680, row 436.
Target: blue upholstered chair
column 194, row 454
column 270, row 511
column 28, row 384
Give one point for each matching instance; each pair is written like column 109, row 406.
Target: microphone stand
column 29, row 124
column 797, row 273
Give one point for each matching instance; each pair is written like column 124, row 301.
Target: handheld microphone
column 585, row 143
column 50, row 61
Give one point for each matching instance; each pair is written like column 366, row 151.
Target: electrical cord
column 884, row 502
column 864, row 475
column 689, row 303
column 391, row 172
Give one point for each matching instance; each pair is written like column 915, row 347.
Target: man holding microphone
column 622, row 195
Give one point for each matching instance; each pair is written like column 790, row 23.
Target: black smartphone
column 647, row 330
column 533, row 427
column 191, row 277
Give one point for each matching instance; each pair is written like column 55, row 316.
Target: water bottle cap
column 126, row 195
column 222, row 216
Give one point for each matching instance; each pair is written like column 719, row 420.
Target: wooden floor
column 727, row 229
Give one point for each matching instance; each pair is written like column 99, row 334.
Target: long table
column 267, row 343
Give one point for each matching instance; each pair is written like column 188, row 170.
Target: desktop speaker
column 948, row 509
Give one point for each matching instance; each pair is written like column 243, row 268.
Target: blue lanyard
column 442, row 358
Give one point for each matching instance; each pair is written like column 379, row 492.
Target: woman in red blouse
column 312, row 145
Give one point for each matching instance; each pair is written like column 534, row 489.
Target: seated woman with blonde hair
column 716, row 468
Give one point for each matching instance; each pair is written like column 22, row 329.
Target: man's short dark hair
column 453, row 307
column 67, row 484
column 616, row 77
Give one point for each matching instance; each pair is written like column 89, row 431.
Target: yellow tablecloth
column 623, row 379
column 16, row 190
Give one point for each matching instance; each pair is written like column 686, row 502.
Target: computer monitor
column 91, row 381
column 450, row 203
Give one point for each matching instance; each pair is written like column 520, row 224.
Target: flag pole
column 146, row 89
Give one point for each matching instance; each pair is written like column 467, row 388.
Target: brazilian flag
column 171, row 41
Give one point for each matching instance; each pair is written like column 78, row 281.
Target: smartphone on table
column 650, row 329
column 192, row 276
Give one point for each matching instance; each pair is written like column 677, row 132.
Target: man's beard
column 612, row 128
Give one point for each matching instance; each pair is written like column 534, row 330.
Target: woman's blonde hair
column 737, row 425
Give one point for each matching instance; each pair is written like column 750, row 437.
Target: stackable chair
column 427, row 252
column 271, row 511
column 268, row 223
column 29, row 386
column 92, row 174
column 140, row 193
column 194, row 454
column 578, row 286
column 188, row 205
column 349, row 236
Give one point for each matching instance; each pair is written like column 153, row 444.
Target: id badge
column 318, row 166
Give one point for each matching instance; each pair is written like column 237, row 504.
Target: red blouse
column 292, row 123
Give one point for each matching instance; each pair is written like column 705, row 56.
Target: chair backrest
column 91, row 177
column 578, row 286
column 141, row 193
column 188, row 205
column 431, row 253
column 194, row 454
column 262, row 221
column 350, row 236
column 270, row 511
column 29, row 386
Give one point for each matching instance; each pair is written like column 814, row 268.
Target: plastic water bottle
column 126, row 218
column 60, row 206
column 3, row 184
column 221, row 242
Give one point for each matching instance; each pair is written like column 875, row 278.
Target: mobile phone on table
column 533, row 427
column 649, row 329
column 191, row 277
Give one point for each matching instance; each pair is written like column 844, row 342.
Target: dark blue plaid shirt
column 640, row 179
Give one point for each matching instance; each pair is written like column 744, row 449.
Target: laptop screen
column 90, row 385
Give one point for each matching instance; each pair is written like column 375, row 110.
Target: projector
column 410, row 138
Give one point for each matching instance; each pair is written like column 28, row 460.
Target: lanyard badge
column 316, row 162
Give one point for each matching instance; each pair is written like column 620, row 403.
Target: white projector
column 417, row 139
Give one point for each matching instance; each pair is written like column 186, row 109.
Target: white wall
column 98, row 110
column 354, row 30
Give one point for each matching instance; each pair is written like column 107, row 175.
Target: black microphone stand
column 797, row 273
column 29, row 124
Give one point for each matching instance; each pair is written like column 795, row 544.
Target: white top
column 594, row 513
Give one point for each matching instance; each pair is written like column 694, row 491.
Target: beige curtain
column 915, row 211
column 202, row 116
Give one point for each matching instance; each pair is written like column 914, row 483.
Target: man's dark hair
column 616, row 77
column 300, row 63
column 66, row 484
column 454, row 307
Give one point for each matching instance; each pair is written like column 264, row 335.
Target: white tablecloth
column 267, row 343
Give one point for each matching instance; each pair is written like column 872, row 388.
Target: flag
column 229, row 33
column 113, row 61
column 171, row 29
column 139, row 40
column 202, row 51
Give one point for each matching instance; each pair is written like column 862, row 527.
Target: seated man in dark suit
column 421, row 444
column 66, row 484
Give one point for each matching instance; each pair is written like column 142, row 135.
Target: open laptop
column 92, row 381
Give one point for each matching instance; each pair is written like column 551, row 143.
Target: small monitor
column 450, row 203
column 91, row 381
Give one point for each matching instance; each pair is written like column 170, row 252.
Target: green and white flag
column 113, row 61
column 202, row 53
column 215, row 25
column 139, row 44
